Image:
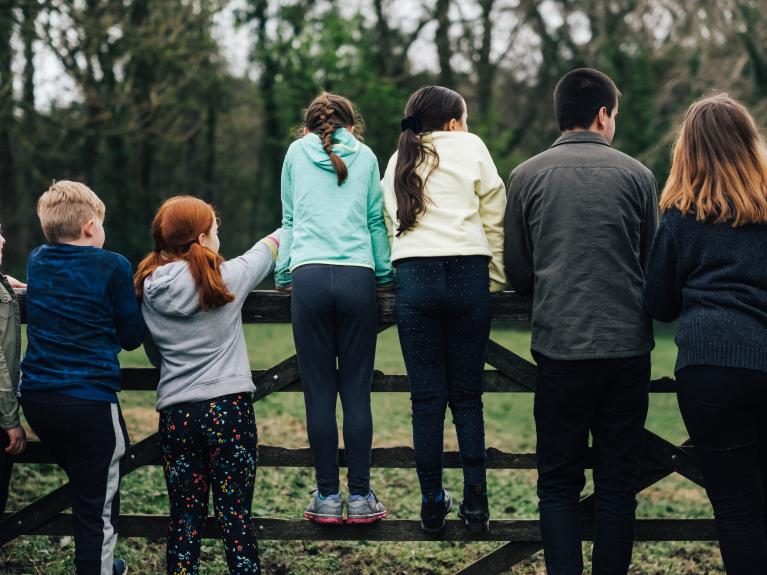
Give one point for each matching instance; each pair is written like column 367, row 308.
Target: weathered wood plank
column 395, row 530
column 271, row 306
column 147, row 453
column 493, row 381
column 677, row 458
column 511, row 365
column 506, row 556
column 41, row 510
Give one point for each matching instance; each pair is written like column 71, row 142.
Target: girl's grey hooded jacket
column 201, row 354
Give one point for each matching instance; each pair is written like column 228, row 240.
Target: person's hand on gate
column 17, row 440
column 16, row 284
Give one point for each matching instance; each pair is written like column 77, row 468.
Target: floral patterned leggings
column 203, row 443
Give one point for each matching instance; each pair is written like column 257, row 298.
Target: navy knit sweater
column 713, row 277
column 81, row 310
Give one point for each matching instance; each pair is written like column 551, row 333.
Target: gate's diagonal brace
column 505, row 557
column 656, row 449
column 48, row 506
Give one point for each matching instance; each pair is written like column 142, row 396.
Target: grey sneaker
column 364, row 510
column 326, row 510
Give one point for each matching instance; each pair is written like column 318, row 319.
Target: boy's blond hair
column 65, row 207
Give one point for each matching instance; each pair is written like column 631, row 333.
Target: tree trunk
column 442, row 40
column 9, row 201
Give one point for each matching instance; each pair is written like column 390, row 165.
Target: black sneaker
column 119, row 567
column 433, row 512
column 474, row 510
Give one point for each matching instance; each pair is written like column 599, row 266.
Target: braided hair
column 327, row 113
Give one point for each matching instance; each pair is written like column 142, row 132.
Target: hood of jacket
column 171, row 290
column 345, row 145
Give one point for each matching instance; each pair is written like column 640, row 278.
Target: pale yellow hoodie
column 466, row 201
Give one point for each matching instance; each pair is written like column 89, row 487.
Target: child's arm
column 387, row 187
column 663, row 286
column 518, row 251
column 151, row 350
column 242, row 274
column 282, row 277
column 377, row 228
column 9, row 405
column 128, row 318
column 492, row 207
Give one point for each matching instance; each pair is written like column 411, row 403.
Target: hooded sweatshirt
column 201, row 354
column 325, row 223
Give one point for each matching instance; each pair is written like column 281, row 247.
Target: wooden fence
column 512, row 374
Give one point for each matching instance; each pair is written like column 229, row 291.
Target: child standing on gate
column 192, row 300
column 335, row 251
column 81, row 311
column 446, row 201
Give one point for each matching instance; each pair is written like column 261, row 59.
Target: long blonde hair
column 719, row 165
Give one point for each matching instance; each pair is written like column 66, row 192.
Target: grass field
column 282, row 492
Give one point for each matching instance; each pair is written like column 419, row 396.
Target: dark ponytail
column 427, row 110
column 324, row 116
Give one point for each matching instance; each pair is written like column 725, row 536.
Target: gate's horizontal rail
column 146, row 379
column 382, row 457
column 395, row 530
column 269, row 306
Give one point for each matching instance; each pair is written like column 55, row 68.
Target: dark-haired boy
column 579, row 226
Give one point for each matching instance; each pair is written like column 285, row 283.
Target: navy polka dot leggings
column 443, row 318
column 212, row 443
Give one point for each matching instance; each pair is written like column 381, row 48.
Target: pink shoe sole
column 323, row 520
column 367, row 520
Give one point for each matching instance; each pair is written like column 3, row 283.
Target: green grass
column 282, row 492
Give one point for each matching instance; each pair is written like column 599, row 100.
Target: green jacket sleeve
column 9, row 405
column 9, row 335
column 379, row 234
column 282, row 277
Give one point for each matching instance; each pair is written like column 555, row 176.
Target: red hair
column 175, row 229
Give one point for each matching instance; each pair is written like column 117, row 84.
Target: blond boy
column 81, row 311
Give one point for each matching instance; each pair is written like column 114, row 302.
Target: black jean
column 609, row 398
column 87, row 440
column 443, row 317
column 724, row 410
column 334, row 318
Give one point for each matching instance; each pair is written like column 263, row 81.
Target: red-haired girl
column 191, row 299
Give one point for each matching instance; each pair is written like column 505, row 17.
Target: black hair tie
column 411, row 123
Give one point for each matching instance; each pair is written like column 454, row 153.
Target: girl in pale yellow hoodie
column 445, row 204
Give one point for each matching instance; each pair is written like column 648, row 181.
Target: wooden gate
column 512, row 374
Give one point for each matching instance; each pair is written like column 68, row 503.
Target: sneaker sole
column 324, row 519
column 366, row 519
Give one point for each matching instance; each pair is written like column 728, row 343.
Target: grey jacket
column 201, row 354
column 580, row 221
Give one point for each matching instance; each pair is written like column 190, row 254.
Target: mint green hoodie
column 323, row 222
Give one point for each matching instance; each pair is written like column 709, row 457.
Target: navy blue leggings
column 334, row 318
column 443, row 317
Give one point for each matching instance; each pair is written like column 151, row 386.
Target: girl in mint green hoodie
column 334, row 252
